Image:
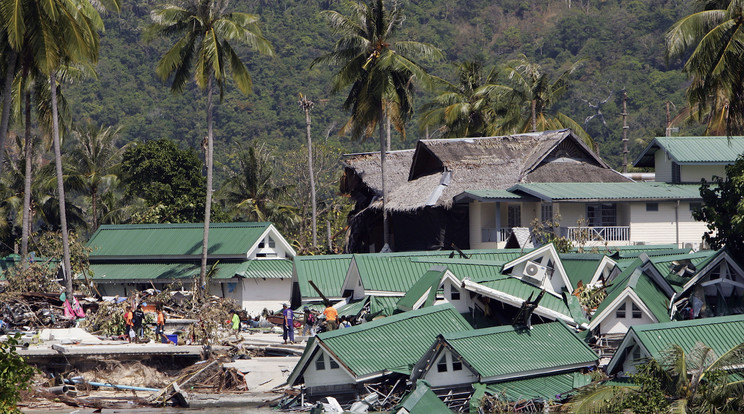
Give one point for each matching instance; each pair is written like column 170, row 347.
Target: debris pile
column 31, row 310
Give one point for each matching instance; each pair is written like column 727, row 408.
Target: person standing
column 235, row 324
column 331, row 316
column 137, row 319
column 288, row 325
column 160, row 326
column 308, row 327
column 129, row 324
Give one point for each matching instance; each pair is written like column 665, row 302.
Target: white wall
column 328, row 376
column 462, row 305
column 660, row 227
column 662, row 167
column 449, row 377
column 614, row 325
column 475, row 224
column 693, row 173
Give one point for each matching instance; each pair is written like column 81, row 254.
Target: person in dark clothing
column 137, row 319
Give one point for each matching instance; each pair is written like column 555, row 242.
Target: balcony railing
column 494, row 234
column 607, row 233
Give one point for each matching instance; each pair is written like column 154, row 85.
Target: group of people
column 134, row 324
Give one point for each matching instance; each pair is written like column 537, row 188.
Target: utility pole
column 625, row 132
column 306, row 105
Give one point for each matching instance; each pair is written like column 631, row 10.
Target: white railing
column 494, row 234
column 607, row 233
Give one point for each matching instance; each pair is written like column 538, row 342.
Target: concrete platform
column 262, row 374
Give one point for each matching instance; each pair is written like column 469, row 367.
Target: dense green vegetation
column 621, row 41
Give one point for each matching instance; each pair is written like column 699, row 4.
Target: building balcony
column 494, row 234
column 606, row 233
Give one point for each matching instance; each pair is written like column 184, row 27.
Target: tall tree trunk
column 306, row 105
column 387, row 130
column 28, row 149
column 383, row 156
column 7, row 86
column 94, row 206
column 208, row 203
column 534, row 115
column 60, row 186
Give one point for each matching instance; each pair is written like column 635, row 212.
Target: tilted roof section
column 444, row 168
column 391, row 342
column 583, row 192
column 665, row 265
column 163, row 240
column 693, row 150
column 327, row 273
column 506, row 352
column 548, row 387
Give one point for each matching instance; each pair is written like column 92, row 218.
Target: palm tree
column 468, row 108
column 94, row 158
column 74, row 25
column 697, row 382
column 252, row 193
column 532, row 96
column 206, row 30
column 715, row 32
column 378, row 71
column 11, row 58
column 306, row 106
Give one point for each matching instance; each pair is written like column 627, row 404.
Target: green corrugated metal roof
column 475, row 270
column 397, row 272
column 351, row 309
column 719, row 333
column 629, row 191
column 579, row 267
column 422, row 400
column 267, row 269
column 694, row 150
column 424, row 289
column 548, row 387
column 505, row 351
column 382, row 305
column 328, row 272
column 515, row 287
column 230, row 239
column 664, row 263
column 643, row 285
column 103, row 272
column 489, row 195
column 391, row 342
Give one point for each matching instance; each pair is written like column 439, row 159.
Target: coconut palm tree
column 252, row 193
column 532, row 96
column 379, row 70
column 468, row 108
column 94, row 158
column 715, row 33
column 205, row 31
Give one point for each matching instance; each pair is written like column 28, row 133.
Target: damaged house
column 341, row 361
column 423, row 185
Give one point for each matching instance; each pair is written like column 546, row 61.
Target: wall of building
column 475, row 225
column 662, row 167
column 464, row 303
column 693, row 173
column 661, row 227
column 614, row 325
column 450, row 377
column 327, row 376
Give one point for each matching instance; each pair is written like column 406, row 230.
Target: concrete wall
column 614, row 325
column 449, row 377
column 660, row 227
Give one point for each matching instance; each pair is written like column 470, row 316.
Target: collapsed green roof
column 327, row 272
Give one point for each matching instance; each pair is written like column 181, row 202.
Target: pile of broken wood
column 32, row 310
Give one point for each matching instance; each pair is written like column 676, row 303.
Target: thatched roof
column 444, row 168
column 366, row 166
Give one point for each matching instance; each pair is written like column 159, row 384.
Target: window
column 546, row 213
column 601, row 215
column 514, row 215
column 442, row 364
column 652, row 206
column 262, row 244
column 620, row 312
column 695, row 205
column 320, row 363
column 454, row 293
column 333, row 363
column 636, row 353
column 676, row 175
column 636, row 312
column 272, row 243
column 456, row 365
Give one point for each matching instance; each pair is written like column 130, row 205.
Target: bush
column 15, row 375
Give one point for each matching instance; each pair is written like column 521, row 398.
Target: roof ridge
column 716, row 320
column 496, row 330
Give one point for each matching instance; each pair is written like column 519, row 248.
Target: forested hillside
column 621, row 43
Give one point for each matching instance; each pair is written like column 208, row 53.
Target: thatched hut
column 422, row 188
